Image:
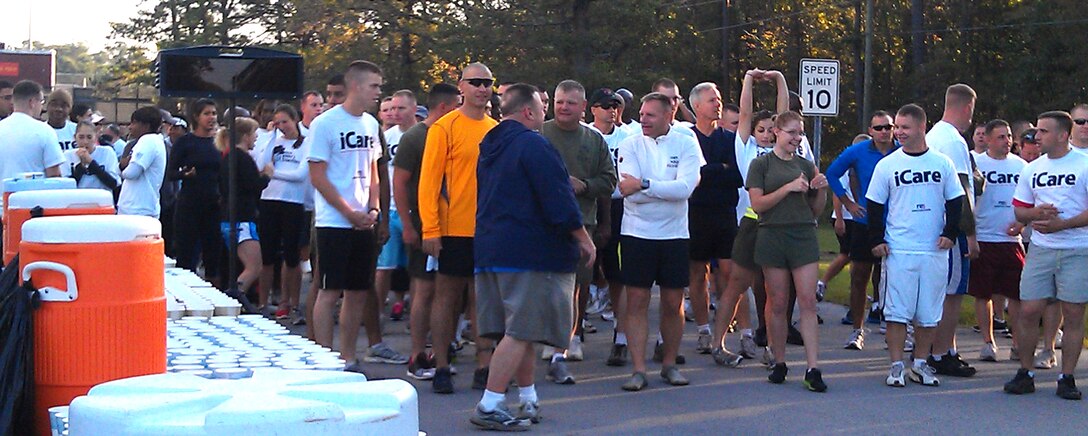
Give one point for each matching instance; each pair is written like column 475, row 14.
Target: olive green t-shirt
column 586, row 156
column 769, row 173
column 410, row 158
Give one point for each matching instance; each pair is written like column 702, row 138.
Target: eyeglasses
column 607, row 106
column 882, row 127
column 1080, row 121
column 480, row 82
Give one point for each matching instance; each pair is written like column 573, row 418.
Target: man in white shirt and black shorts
column 920, row 192
column 658, row 172
column 1052, row 197
column 345, row 146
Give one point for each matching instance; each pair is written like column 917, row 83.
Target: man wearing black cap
column 606, row 107
column 592, row 175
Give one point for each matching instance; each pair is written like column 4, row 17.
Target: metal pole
column 817, row 136
column 232, row 199
column 866, row 106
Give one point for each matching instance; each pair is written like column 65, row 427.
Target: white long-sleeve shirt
column 291, row 178
column 671, row 163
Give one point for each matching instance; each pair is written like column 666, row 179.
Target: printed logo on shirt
column 920, row 207
column 999, row 178
column 909, row 177
column 674, row 161
column 67, row 145
column 354, row 141
column 1047, row 180
column 280, row 154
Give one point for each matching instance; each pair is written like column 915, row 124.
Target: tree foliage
column 1022, row 56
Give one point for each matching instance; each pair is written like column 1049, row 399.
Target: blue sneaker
column 874, row 315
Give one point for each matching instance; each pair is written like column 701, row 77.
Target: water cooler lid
column 61, row 199
column 16, row 184
column 80, row 229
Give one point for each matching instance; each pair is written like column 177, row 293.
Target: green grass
column 838, row 290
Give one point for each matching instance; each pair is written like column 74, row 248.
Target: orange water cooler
column 34, row 182
column 21, row 206
column 103, row 308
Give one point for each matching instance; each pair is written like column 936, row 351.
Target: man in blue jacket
column 523, row 296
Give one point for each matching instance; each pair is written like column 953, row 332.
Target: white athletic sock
column 952, row 352
column 491, row 400
column 621, row 338
column 935, row 357
column 705, row 328
column 746, row 333
column 919, row 362
column 527, row 394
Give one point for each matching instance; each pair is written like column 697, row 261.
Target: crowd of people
column 478, row 216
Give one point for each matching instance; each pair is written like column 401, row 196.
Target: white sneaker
column 1045, row 359
column 608, row 315
column 857, row 340
column 1058, row 339
column 821, row 290
column 895, row 376
column 574, row 353
column 908, row 344
column 768, row 357
column 924, row 375
column 988, row 353
column 546, row 352
column 748, row 347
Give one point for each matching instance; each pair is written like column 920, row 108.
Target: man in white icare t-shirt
column 345, row 147
column 946, row 137
column 143, row 166
column 914, row 202
column 1052, row 197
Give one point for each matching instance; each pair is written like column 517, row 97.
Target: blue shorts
column 959, row 268
column 394, row 255
column 246, row 231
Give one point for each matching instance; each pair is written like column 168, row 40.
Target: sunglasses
column 607, row 106
column 480, row 82
column 1080, row 121
column 882, row 127
column 1030, row 138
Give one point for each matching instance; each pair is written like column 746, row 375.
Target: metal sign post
column 819, row 95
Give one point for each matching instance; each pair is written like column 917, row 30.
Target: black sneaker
column 659, row 355
column 951, row 365
column 479, row 379
column 1067, row 388
column 761, row 337
column 247, row 306
column 618, row 357
column 500, row 419
column 443, row 381
column 778, row 373
column 1000, row 325
column 814, row 381
column 1023, row 383
column 793, row 337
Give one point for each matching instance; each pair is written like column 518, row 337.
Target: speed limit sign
column 820, row 87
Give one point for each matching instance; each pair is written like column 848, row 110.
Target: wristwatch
column 645, row 184
column 379, row 211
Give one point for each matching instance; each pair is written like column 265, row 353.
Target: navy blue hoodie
column 525, row 208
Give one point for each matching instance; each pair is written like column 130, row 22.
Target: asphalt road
column 741, row 401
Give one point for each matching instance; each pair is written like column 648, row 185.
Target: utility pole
column 866, row 106
column 727, row 82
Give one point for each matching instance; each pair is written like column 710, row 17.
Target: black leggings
column 197, row 234
column 280, row 224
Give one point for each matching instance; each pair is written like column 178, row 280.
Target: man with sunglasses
column 6, row 99
column 861, row 158
column 1079, row 138
column 606, row 107
column 447, row 208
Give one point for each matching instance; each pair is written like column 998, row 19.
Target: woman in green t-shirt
column 788, row 193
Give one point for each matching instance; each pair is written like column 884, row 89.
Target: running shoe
column 1022, row 383
column 761, row 337
column 283, row 313
column 924, row 375
column 988, row 352
column 575, row 353
column 951, row 365
column 443, row 381
column 546, row 352
column 768, row 357
column 748, row 347
column 726, row 358
column 529, row 410
column 558, row 372
column 704, row 341
column 381, row 353
column 672, row 376
column 636, row 383
column 1067, row 388
column 608, row 315
column 689, row 314
column 397, row 312
column 588, row 327
column 857, row 340
column 821, row 289
column 874, row 315
column 814, row 380
column 793, row 337
column 500, row 419
column 778, row 373
column 1045, row 359
column 419, row 368
column 895, row 376
column 1058, row 339
column 479, row 379
column 618, row 356
column 659, row 355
